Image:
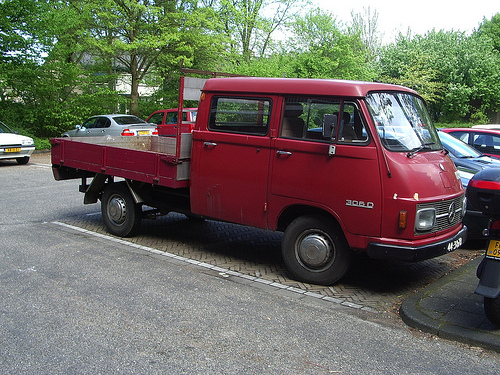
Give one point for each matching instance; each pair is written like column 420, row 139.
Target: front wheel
column 120, row 213
column 23, row 160
column 315, row 250
column 492, row 310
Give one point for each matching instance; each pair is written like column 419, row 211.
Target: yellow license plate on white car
column 493, row 250
column 13, row 149
column 143, row 132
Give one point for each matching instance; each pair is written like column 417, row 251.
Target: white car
column 15, row 146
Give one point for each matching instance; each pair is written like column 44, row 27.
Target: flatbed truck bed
column 153, row 160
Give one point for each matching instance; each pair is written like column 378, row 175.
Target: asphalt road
column 75, row 303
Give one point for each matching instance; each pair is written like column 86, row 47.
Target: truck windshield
column 402, row 122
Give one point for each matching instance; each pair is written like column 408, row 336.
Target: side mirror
column 80, row 127
column 329, row 122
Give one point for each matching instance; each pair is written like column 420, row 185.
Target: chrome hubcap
column 315, row 250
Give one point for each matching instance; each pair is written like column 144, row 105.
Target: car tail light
column 127, row 133
column 155, row 132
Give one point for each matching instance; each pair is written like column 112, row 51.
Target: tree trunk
column 134, row 89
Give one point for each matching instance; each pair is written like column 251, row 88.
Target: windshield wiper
column 420, row 148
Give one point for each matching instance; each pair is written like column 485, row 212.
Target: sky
column 420, row 16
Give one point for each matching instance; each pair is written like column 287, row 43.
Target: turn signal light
column 403, row 219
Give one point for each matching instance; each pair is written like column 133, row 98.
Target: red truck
column 338, row 166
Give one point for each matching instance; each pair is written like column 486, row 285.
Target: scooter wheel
column 492, row 309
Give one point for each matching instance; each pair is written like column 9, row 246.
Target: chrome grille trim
column 443, row 213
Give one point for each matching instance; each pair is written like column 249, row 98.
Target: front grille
column 445, row 210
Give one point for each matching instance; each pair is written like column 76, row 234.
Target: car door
column 229, row 180
column 101, row 126
column 84, row 129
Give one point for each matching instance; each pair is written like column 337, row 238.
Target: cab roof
column 298, row 86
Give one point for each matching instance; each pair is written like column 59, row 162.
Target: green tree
column 491, row 28
column 456, row 73
column 45, row 88
column 248, row 25
column 135, row 33
column 365, row 24
column 323, row 50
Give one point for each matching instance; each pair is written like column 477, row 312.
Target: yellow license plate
column 13, row 149
column 493, row 249
column 143, row 132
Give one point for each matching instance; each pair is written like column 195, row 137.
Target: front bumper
column 416, row 254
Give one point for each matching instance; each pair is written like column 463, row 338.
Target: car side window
column 102, row 122
column 89, row 124
column 157, row 118
column 171, row 118
column 487, row 143
column 463, row 136
column 240, row 115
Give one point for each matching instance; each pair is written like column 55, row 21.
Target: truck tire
column 120, row 213
column 492, row 310
column 315, row 250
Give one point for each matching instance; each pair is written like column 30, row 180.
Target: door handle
column 210, row 144
column 284, row 153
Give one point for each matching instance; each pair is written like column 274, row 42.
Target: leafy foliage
column 457, row 74
column 61, row 59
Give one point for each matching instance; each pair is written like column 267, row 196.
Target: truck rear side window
column 240, row 115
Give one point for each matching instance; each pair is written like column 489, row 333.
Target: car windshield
column 402, row 122
column 457, row 148
column 128, row 120
column 5, row 129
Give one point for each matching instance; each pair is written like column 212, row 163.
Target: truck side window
column 351, row 129
column 305, row 118
column 240, row 115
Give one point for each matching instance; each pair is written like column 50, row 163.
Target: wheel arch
column 292, row 212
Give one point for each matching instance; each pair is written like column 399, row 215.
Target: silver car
column 15, row 146
column 112, row 125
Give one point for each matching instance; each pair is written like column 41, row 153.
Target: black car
column 469, row 161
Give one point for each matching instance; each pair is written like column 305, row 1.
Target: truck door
column 231, row 161
column 346, row 182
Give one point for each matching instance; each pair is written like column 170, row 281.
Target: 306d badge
column 362, row 204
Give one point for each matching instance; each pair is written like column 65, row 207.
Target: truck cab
column 336, row 165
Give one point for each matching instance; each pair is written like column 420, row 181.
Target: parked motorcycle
column 483, row 193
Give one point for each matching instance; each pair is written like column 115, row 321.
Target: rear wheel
column 492, row 309
column 315, row 250
column 120, row 213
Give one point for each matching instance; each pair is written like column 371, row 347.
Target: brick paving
column 376, row 285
